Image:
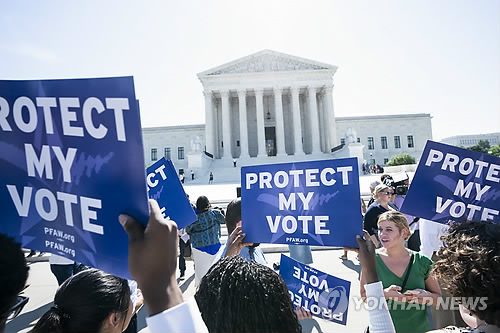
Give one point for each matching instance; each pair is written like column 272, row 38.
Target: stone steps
column 224, row 171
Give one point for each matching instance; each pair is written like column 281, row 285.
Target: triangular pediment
column 267, row 61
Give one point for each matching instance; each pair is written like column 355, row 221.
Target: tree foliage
column 401, row 159
column 483, row 146
column 495, row 151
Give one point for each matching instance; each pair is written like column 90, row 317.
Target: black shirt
column 371, row 216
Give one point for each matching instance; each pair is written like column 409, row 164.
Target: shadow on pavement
column 186, row 283
column 349, row 264
column 24, row 320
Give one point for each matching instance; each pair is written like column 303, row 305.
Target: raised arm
column 379, row 316
column 152, row 263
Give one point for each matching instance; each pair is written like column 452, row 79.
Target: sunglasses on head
column 16, row 309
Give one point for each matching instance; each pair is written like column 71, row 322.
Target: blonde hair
column 399, row 220
column 379, row 188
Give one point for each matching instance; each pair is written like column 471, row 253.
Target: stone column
column 297, row 127
column 261, row 134
column 313, row 110
column 242, row 97
column 226, row 124
column 280, row 122
column 332, row 126
column 209, row 124
column 323, row 122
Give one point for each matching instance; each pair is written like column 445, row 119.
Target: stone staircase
column 224, row 171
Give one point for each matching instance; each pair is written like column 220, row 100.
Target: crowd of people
column 237, row 291
column 372, row 168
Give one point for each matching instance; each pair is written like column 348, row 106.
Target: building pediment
column 267, row 61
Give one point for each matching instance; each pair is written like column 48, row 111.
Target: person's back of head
column 13, row 276
column 202, row 204
column 373, row 185
column 233, row 214
column 237, row 295
column 469, row 266
column 87, row 302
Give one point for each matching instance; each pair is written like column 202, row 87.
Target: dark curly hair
column 237, row 295
column 470, row 266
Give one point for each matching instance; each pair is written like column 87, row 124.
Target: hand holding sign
column 367, row 257
column 235, row 242
column 153, row 259
column 303, row 313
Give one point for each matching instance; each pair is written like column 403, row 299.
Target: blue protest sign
column 165, row 187
column 454, row 184
column 72, row 161
column 308, row 203
column 325, row 296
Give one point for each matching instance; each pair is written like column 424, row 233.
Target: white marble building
column 272, row 107
column 269, row 104
column 173, row 143
column 405, row 133
column 472, row 140
column 384, row 136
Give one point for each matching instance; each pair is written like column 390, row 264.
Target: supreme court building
column 272, row 107
column 269, row 104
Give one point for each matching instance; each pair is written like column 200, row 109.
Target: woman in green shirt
column 395, row 263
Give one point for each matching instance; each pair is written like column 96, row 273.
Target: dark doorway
column 271, row 141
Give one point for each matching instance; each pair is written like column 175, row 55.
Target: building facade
column 269, row 104
column 272, row 107
column 472, row 140
column 172, row 142
column 384, row 136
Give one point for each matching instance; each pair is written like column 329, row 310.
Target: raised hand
column 152, row 259
column 235, row 242
column 367, row 257
column 302, row 313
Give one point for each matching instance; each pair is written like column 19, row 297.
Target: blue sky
column 437, row 57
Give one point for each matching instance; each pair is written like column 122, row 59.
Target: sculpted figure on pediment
column 268, row 63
